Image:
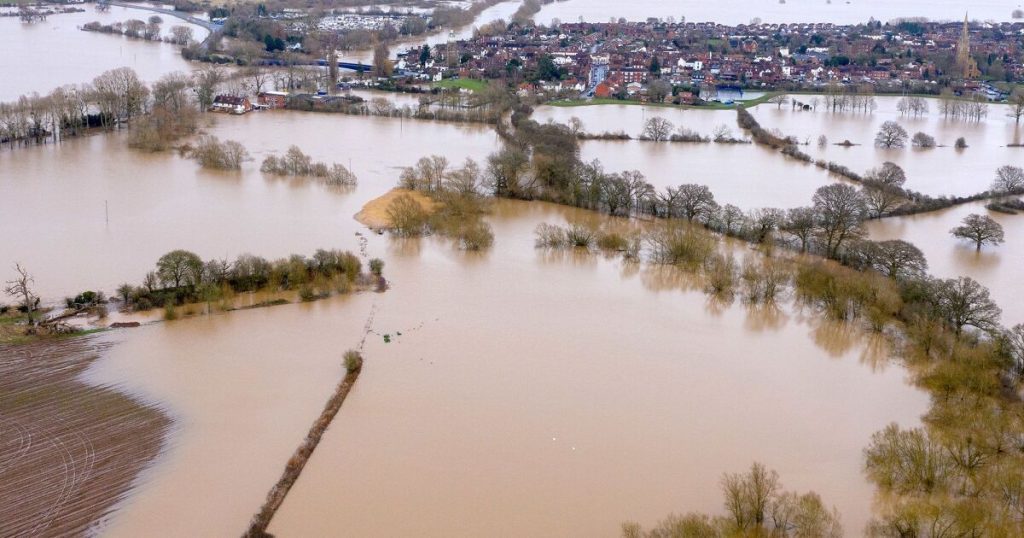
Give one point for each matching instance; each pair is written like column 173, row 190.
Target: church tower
column 964, row 62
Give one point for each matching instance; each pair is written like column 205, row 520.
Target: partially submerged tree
column 657, row 129
column 981, row 229
column 923, row 140
column 964, row 302
column 1009, row 179
column 841, row 210
column 891, row 135
column 889, row 174
column 898, row 259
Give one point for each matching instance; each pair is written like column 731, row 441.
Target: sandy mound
column 375, row 213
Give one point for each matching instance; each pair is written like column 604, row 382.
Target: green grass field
column 460, row 83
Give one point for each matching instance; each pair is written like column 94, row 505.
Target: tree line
column 181, row 277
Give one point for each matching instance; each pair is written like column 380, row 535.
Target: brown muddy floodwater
column 55, row 52
column 523, row 392
column 745, row 175
column 998, row 268
column 55, row 199
column 936, row 171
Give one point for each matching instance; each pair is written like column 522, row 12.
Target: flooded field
column 936, row 171
column 608, row 391
column 55, row 52
column 741, row 12
column 160, row 202
column 612, row 393
column 998, row 268
column 745, row 175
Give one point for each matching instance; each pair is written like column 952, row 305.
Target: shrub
column 169, row 311
column 679, row 244
column 353, row 361
column 961, row 143
column 306, row 293
column 476, row 236
column 550, row 236
column 210, row 152
column 407, row 216
column 377, row 266
column 579, row 236
column 922, row 140
column 612, row 241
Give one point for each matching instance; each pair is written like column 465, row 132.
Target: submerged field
column 516, row 391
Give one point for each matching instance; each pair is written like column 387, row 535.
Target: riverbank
column 69, row 451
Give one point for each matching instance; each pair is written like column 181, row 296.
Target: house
column 231, row 104
column 272, row 99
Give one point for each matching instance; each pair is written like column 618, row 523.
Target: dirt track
column 68, row 451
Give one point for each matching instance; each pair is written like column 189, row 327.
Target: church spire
column 964, row 62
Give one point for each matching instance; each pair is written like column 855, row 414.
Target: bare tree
column 964, row 302
column 889, row 174
column 778, row 100
column 981, row 229
column 763, row 221
column 1009, row 179
column 1017, row 104
column 21, row 288
column 881, row 200
column 800, row 223
column 898, row 259
column 181, row 35
column 891, row 135
column 207, row 81
column 657, row 129
column 695, row 201
column 841, row 210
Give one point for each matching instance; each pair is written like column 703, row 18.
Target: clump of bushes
column 923, row 140
column 674, row 243
column 685, row 134
column 210, row 152
column 458, row 206
column 296, row 163
column 1009, row 207
column 353, row 361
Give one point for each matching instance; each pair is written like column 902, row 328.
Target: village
column 684, row 62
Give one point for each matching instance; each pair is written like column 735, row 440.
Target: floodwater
column 523, row 392
column 62, row 196
column 936, row 171
column 608, row 392
column 503, row 10
column 55, row 52
column 998, row 268
column 745, row 175
column 775, row 11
